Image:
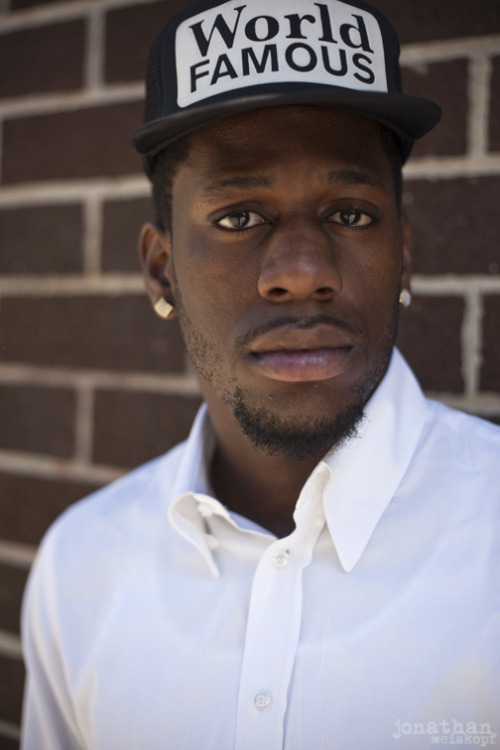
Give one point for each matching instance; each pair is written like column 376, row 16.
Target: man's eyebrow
column 353, row 177
column 244, row 182
column 238, row 182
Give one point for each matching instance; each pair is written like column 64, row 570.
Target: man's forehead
column 257, row 138
column 218, row 174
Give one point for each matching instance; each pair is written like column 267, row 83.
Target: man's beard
column 281, row 437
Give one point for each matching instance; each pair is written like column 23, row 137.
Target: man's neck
column 260, row 487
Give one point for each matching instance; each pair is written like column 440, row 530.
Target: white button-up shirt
column 156, row 619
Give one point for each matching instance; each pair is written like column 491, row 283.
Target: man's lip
column 303, row 365
column 293, row 354
column 294, row 337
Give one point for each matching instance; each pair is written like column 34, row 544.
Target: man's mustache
column 302, row 322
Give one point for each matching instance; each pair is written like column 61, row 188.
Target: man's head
column 280, row 243
column 284, row 259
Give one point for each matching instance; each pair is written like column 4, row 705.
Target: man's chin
column 285, row 438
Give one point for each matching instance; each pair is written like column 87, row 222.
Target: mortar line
column 74, row 191
column 33, row 105
column 47, row 467
column 478, row 96
column 471, row 341
column 183, row 384
column 9, row 730
column 92, row 235
column 10, row 645
column 448, row 49
column 94, row 48
column 16, row 555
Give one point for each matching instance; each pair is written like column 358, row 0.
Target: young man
column 315, row 567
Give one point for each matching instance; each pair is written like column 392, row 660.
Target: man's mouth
column 296, row 354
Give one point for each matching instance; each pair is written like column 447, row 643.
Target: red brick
column 122, row 223
column 490, row 371
column 454, row 226
column 427, row 20
column 135, row 28
column 104, row 332
column 28, row 505
column 429, row 338
column 446, row 84
column 131, row 428
column 495, row 106
column 11, row 689
column 12, row 583
column 41, row 240
column 44, row 58
column 90, row 142
column 36, row 418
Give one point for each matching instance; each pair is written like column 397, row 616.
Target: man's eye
column 351, row 217
column 240, row 220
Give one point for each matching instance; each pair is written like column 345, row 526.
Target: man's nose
column 300, row 263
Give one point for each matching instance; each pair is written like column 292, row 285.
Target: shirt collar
column 357, row 481
column 367, row 471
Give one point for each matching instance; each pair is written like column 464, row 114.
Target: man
column 315, row 567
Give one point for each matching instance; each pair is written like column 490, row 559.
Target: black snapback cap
column 217, row 59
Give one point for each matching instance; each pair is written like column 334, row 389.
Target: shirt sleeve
column 49, row 720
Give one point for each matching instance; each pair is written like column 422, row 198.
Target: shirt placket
column 272, row 635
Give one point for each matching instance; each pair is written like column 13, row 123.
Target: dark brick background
column 444, row 83
column 120, row 233
column 11, row 689
column 490, row 373
column 47, row 58
column 120, row 417
column 12, row 582
column 113, row 332
column 494, row 131
column 92, row 142
column 451, row 226
column 427, row 20
column 37, row 419
column 429, row 338
column 41, row 240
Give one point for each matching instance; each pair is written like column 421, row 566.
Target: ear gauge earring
column 163, row 308
column 405, row 298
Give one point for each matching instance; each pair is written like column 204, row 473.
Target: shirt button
column 262, row 701
column 280, row 559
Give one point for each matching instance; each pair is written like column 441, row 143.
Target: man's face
column 286, row 259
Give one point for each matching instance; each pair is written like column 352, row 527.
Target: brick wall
column 91, row 383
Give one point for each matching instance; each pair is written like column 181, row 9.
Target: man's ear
column 406, row 270
column 155, row 254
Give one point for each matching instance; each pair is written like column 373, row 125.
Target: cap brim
column 410, row 117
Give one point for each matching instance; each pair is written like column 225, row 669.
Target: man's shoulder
column 471, row 442
column 110, row 515
column 463, row 423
